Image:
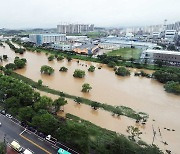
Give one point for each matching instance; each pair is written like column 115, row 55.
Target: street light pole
column 4, row 138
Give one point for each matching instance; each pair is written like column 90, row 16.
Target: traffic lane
column 12, row 132
column 40, row 141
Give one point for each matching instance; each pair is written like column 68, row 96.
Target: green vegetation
column 165, row 75
column 60, row 58
column 91, row 68
column 172, row 87
column 16, row 50
column 5, row 57
column 111, row 64
column 51, row 58
column 134, row 133
column 47, row 69
column 122, row 110
column 171, row 78
column 2, row 148
column 20, row 63
column 69, row 58
column 40, row 82
column 122, row 71
column 86, row 87
column 102, row 141
column 63, row 69
column 94, row 35
column 126, row 53
column 58, row 103
column 79, row 73
column 27, row 105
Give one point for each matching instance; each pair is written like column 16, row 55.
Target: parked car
column 24, row 124
column 0, row 124
column 41, row 134
column 9, row 116
column 3, row 112
column 31, row 129
column 51, row 139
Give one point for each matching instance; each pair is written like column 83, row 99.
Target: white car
column 9, row 116
column 0, row 123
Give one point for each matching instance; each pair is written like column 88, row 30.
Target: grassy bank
column 119, row 110
column 126, row 53
column 105, row 141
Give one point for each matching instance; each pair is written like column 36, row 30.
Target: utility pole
column 154, row 134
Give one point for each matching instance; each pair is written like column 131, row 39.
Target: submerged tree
column 47, row 69
column 63, row 69
column 91, row 68
column 86, row 87
column 122, row 71
column 134, row 132
column 79, row 73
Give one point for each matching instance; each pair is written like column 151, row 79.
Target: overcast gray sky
column 109, row 13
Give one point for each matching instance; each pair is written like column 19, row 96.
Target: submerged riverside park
column 140, row 94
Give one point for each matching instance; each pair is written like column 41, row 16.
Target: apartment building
column 74, row 28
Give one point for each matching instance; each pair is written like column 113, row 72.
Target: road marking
column 36, row 144
column 54, row 147
column 40, row 139
column 28, row 132
column 22, row 131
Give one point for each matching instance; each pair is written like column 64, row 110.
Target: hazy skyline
column 105, row 13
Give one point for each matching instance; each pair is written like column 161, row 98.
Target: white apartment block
column 74, row 28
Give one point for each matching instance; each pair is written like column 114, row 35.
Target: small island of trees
column 51, row 58
column 122, row 71
column 63, row 69
column 47, row 70
column 79, row 73
column 86, row 87
column 91, row 69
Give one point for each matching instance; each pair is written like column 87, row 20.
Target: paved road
column 13, row 131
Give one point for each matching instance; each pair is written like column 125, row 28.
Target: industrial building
column 40, row 39
column 62, row 46
column 170, row 57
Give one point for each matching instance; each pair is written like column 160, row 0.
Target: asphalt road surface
column 11, row 130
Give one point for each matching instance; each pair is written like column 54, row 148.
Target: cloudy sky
column 106, row 13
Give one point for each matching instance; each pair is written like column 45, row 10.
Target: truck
column 16, row 146
column 62, row 151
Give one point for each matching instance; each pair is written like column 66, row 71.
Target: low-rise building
column 62, row 46
column 109, row 46
column 40, row 39
column 171, row 57
column 86, row 49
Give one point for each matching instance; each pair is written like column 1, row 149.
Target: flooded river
column 141, row 94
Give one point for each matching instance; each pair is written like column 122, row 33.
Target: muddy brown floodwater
column 141, row 94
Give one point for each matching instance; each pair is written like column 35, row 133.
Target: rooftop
column 163, row 52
